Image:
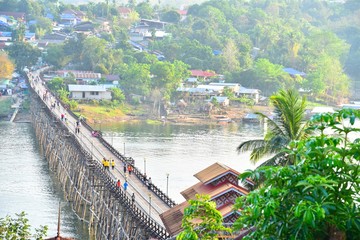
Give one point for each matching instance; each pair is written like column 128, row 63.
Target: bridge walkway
column 145, row 199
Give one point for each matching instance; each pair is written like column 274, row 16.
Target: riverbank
column 99, row 115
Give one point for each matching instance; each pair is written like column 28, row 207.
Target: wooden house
column 218, row 181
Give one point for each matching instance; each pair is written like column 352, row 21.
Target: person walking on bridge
column 124, row 166
column 104, row 162
column 118, row 183
column 126, row 185
column 133, row 199
column 112, row 164
column 149, row 183
column 130, row 169
column 107, row 164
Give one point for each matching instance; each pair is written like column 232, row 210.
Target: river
column 26, row 184
column 181, row 150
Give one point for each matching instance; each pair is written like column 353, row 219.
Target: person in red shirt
column 118, row 184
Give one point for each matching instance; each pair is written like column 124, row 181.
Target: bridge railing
column 140, row 215
column 120, row 195
column 157, row 191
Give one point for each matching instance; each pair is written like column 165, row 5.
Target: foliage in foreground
column 201, row 220
column 19, row 228
column 318, row 197
column 289, row 108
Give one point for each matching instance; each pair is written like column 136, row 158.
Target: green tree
column 23, row 54
column 43, row 25
column 317, row 198
column 230, row 56
column 145, row 10
column 289, row 109
column 56, row 84
column 136, row 79
column 18, row 34
column 117, row 95
column 328, row 80
column 269, row 76
column 201, row 220
column 94, row 51
column 56, row 56
column 19, row 228
column 170, row 16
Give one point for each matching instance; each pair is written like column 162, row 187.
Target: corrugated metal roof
column 87, row 88
column 244, row 90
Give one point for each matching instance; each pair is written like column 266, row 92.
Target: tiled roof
column 112, row 77
column 182, row 12
column 124, row 10
column 213, row 171
column 200, row 73
column 213, row 192
column 81, row 74
column 172, row 218
column 16, row 15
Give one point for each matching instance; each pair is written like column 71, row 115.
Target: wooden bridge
column 92, row 191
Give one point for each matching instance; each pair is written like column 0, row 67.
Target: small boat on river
column 251, row 118
column 223, row 119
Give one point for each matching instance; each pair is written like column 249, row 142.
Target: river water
column 26, row 184
column 181, row 150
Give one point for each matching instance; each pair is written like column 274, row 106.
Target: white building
column 97, row 92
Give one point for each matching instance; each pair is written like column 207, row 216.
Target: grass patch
column 95, row 113
column 5, row 106
column 153, row 122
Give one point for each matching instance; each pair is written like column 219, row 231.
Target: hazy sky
column 162, row 2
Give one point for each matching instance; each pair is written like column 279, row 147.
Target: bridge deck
column 144, row 198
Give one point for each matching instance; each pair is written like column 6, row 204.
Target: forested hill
column 258, row 38
column 251, row 42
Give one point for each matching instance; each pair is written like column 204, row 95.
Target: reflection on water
column 181, row 150
column 26, row 184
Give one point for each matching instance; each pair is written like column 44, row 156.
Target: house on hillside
column 72, row 17
column 84, row 27
column 235, row 87
column 223, row 101
column 202, row 75
column 55, row 38
column 82, row 77
column 183, row 14
column 218, row 181
column 293, row 72
column 250, row 93
column 124, row 12
column 18, row 16
column 89, row 92
column 154, row 24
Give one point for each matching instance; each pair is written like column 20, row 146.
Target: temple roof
column 172, row 218
column 214, row 171
column 213, row 192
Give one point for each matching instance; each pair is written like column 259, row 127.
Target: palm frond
column 290, row 107
column 274, row 127
column 250, row 145
column 276, row 160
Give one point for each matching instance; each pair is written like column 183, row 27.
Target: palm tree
column 289, row 125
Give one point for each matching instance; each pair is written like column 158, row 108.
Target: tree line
column 250, row 42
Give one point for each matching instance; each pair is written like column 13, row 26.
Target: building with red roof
column 202, row 74
column 218, row 181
